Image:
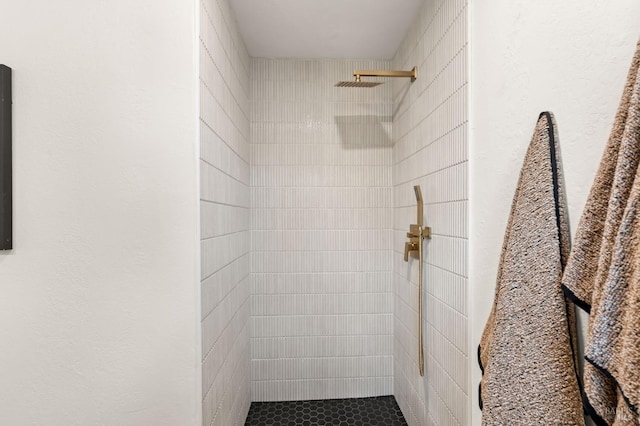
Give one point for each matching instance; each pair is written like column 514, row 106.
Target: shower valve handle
column 410, row 247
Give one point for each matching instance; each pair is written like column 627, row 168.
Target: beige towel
column 611, row 344
column 526, row 351
column 594, row 270
column 614, row 344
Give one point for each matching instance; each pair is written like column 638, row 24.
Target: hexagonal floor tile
column 378, row 411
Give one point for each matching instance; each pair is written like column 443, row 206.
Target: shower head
column 358, row 83
column 364, row 73
column 418, row 191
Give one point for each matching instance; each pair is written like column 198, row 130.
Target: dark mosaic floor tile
column 378, row 411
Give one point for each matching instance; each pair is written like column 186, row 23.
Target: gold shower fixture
column 414, row 248
column 368, row 73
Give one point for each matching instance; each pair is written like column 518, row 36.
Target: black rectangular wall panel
column 6, row 238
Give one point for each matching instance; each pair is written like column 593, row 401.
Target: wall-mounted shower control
column 412, row 247
column 417, row 233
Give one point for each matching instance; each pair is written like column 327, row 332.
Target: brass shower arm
column 374, row 73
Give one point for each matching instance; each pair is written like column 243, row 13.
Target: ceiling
column 358, row 29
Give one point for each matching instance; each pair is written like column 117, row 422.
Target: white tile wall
column 225, row 219
column 321, row 219
column 430, row 135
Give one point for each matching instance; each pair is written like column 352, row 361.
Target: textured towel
column 527, row 348
column 597, row 276
column 614, row 343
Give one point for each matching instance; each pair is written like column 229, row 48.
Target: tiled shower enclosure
column 306, row 194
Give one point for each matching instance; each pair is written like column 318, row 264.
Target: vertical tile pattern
column 224, row 211
column 430, row 136
column 321, row 232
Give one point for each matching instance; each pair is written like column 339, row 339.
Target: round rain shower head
column 358, row 83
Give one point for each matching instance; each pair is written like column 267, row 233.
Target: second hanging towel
column 601, row 275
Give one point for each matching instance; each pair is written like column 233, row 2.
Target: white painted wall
column 570, row 58
column 99, row 307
